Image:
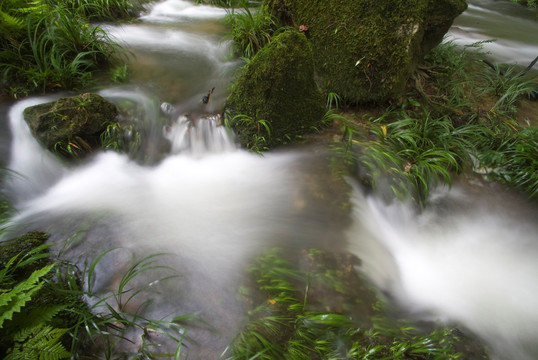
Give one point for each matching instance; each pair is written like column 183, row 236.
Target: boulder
column 277, row 90
column 366, row 50
column 71, row 127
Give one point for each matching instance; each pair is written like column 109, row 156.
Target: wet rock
column 365, row 50
column 277, row 91
column 71, row 127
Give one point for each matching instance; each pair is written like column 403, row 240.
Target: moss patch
column 277, row 87
column 366, row 50
column 71, row 126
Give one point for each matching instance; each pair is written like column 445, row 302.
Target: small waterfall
column 33, row 168
column 199, row 136
column 210, row 207
column 468, row 260
column 172, row 11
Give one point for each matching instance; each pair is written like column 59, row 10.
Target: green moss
column 71, row 127
column 364, row 50
column 19, row 247
column 440, row 15
column 278, row 87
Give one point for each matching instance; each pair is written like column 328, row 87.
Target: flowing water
column 469, row 260
column 510, row 29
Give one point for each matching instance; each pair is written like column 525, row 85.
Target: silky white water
column 172, row 11
column 468, row 260
column 210, row 211
column 179, row 52
column 507, row 30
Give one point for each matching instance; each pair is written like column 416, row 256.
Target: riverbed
column 468, row 261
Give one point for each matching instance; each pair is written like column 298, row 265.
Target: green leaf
column 333, row 320
column 14, row 300
column 41, row 342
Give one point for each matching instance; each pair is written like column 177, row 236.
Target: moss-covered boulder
column 277, row 93
column 438, row 19
column 71, row 127
column 366, row 50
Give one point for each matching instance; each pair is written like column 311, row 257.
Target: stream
column 470, row 260
column 508, row 30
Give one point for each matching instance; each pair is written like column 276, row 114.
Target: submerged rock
column 71, row 127
column 277, row 91
column 365, row 50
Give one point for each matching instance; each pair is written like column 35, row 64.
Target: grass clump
column 115, row 319
column 105, row 10
column 508, row 85
column 259, row 140
column 511, row 157
column 50, row 44
column 411, row 154
column 288, row 322
column 465, row 118
column 251, row 28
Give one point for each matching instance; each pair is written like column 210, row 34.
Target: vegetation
column 363, row 50
column 458, row 112
column 51, row 310
column 511, row 157
column 529, row 3
column 258, row 141
column 105, row 10
column 251, row 29
column 464, row 118
column 288, row 323
column 411, row 154
column 30, row 334
column 50, row 45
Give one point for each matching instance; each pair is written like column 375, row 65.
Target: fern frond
column 11, row 23
column 39, row 315
column 40, row 343
column 14, row 300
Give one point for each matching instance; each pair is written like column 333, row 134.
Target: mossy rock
column 19, row 247
column 278, row 87
column 365, row 50
column 71, row 127
column 439, row 17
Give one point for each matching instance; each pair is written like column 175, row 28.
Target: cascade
column 469, row 260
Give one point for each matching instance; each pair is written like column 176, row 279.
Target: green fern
column 40, row 342
column 39, row 315
column 12, row 301
column 10, row 24
column 13, row 16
